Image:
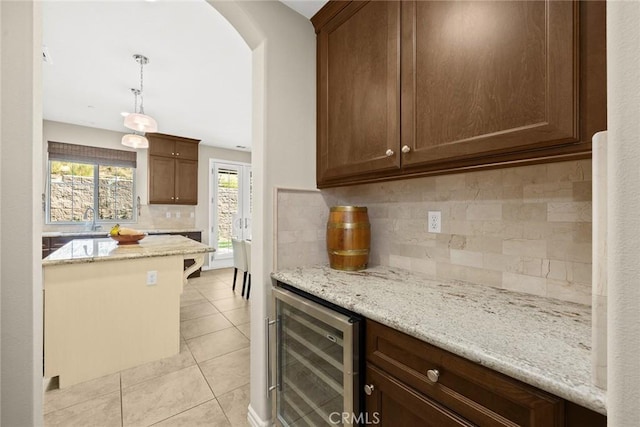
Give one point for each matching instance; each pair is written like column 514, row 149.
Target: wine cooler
column 315, row 362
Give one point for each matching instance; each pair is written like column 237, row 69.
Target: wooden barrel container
column 348, row 237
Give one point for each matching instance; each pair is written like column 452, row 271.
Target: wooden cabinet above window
column 413, row 88
column 173, row 170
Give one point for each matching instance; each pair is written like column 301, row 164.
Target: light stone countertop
column 105, row 232
column 540, row 341
column 107, row 249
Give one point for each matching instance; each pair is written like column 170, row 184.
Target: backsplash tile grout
column 526, row 229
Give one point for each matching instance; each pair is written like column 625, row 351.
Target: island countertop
column 105, row 233
column 107, row 249
column 540, row 341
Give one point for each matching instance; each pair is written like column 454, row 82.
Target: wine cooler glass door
column 315, row 363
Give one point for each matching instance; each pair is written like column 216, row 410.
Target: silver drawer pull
column 433, row 375
column 332, row 338
column 368, row 389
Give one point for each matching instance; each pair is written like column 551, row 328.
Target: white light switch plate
column 434, row 222
column 152, row 277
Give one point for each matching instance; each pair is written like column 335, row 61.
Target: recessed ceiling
column 197, row 83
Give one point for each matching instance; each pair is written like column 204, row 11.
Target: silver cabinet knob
column 368, row 389
column 173, row 154
column 171, row 198
column 389, row 152
column 433, row 375
column 177, row 154
column 406, row 148
column 177, row 198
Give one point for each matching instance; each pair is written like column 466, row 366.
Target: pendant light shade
column 138, row 120
column 141, row 123
column 134, row 140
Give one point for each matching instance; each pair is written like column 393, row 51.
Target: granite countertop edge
column 557, row 383
column 159, row 246
column 106, row 232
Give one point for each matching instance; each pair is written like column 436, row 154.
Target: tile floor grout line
column 224, row 354
column 121, row 404
column 98, row 396
column 182, row 412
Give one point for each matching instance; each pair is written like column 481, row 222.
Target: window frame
column 96, row 193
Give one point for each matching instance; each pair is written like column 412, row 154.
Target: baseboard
column 255, row 420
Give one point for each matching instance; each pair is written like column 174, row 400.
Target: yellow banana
column 115, row 230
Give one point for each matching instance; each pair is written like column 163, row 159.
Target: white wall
column 623, row 85
column 284, row 93
column 20, row 214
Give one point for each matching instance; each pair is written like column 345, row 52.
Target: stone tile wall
column 526, row 228
column 301, row 223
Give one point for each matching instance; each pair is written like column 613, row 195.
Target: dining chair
column 247, row 250
column 239, row 262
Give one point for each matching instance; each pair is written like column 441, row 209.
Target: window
column 82, row 178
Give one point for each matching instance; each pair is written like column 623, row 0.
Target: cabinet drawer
column 480, row 395
column 395, row 405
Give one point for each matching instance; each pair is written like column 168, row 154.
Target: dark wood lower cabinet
column 393, row 404
column 416, row 384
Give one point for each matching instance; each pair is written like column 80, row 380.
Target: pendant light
column 135, row 140
column 139, row 121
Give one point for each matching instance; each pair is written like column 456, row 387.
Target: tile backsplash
column 526, row 228
column 301, row 222
column 151, row 217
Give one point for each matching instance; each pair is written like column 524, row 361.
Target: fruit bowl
column 128, row 239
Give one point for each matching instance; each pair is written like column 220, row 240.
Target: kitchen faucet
column 85, row 217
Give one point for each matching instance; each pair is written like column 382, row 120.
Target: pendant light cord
column 141, row 87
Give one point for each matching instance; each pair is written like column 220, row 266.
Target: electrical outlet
column 177, row 214
column 152, row 277
column 435, row 222
column 168, row 214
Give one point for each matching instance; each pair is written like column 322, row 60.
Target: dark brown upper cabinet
column 414, row 88
column 173, row 170
column 359, row 91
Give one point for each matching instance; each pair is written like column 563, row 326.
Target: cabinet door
column 359, row 91
column 186, row 182
column 160, row 145
column 186, row 150
column 393, row 404
column 483, row 78
column 161, row 180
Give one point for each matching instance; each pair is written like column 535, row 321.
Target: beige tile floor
column 206, row 384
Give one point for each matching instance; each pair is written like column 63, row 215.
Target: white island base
column 102, row 317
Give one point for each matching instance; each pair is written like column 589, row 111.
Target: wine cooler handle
column 267, row 330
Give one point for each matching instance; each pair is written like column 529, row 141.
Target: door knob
column 433, row 375
column 368, row 389
column 406, row 148
column 389, row 153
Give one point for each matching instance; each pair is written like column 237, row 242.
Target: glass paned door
column 230, row 208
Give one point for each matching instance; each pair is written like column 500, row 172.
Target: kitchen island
column 109, row 307
column 539, row 341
